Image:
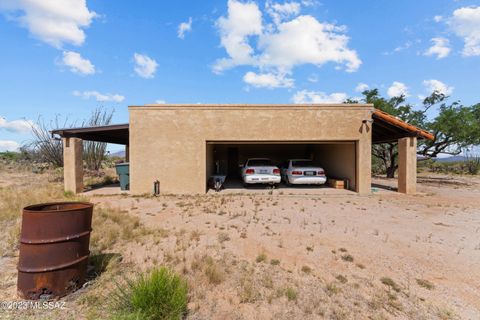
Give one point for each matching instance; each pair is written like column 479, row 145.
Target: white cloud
column 8, row 145
column 77, row 63
column 440, row 48
column 268, row 80
column 52, row 21
column 317, row 97
column 184, row 27
column 100, row 97
column 160, row 101
column 436, row 85
column 465, row 23
column 361, row 87
column 278, row 48
column 145, row 66
column 437, row 18
column 398, row 89
column 280, row 12
column 16, row 126
column 243, row 20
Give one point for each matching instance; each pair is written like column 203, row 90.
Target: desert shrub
column 161, row 294
column 472, row 164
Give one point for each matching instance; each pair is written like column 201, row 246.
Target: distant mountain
column 452, row 159
column 120, row 154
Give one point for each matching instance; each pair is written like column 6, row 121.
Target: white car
column 302, row 171
column 260, row 170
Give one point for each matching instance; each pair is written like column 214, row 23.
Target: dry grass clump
column 112, row 225
column 390, row 283
column 425, row 284
column 14, row 199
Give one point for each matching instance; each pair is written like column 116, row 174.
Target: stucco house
column 181, row 145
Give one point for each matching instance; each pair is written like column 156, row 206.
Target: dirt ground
column 309, row 253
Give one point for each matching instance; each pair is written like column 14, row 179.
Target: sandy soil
column 434, row 235
column 317, row 235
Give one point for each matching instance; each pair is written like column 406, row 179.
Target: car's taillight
column 276, row 171
column 321, row 172
column 249, row 171
column 297, row 173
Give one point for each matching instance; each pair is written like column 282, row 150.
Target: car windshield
column 302, row 163
column 259, row 162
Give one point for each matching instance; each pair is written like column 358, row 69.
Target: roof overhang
column 388, row 128
column 385, row 128
column 117, row 133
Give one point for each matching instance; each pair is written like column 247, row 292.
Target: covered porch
column 72, row 141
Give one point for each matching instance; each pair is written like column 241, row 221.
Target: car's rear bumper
column 307, row 179
column 262, row 178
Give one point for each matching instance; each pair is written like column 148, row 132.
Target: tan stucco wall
column 339, row 161
column 169, row 143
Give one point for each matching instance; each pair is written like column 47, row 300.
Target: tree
column 455, row 128
column 46, row 148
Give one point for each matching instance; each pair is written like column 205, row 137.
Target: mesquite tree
column 455, row 128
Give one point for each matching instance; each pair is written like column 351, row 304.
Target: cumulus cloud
column 433, row 85
column 280, row 47
column 100, row 97
column 8, row 145
column 160, row 101
column 76, row 63
column 361, row 87
column 267, row 80
column 398, row 89
column 16, row 126
column 145, row 66
column 184, row 27
column 307, row 97
column 280, row 12
column 465, row 23
column 51, row 21
column 243, row 20
column 437, row 18
column 439, row 48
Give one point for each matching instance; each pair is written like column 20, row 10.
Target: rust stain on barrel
column 54, row 249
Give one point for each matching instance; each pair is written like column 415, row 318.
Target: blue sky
column 69, row 57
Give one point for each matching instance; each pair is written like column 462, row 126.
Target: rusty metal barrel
column 54, row 249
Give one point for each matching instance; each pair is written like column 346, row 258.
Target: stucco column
column 364, row 166
column 407, row 165
column 73, row 164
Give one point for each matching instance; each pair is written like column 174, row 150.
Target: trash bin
column 123, row 170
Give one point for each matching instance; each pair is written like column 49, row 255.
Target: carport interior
column 337, row 158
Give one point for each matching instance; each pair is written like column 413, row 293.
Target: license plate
column 310, row 173
column 263, row 171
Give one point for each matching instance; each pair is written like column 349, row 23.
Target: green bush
column 161, row 294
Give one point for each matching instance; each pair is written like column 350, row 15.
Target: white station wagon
column 260, row 170
column 302, row 171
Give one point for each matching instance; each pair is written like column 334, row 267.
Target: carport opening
column 337, row 158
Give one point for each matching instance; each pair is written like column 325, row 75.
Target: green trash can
column 123, row 170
